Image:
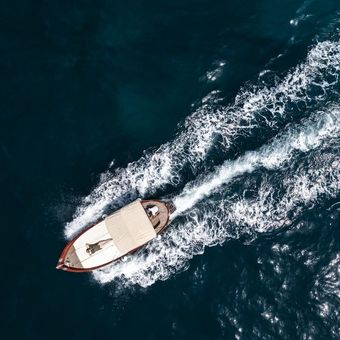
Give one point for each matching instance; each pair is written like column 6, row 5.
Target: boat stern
column 171, row 207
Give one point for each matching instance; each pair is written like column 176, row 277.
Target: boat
column 119, row 234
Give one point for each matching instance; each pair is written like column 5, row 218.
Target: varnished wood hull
column 165, row 207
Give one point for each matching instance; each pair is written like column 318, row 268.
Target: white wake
column 222, row 215
column 253, row 106
column 303, row 138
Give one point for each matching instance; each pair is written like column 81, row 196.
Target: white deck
column 93, row 235
column 128, row 229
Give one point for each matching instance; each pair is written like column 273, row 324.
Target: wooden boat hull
column 159, row 222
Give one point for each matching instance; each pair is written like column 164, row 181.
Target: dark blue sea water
column 230, row 108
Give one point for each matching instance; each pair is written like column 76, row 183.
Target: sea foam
column 253, row 108
column 223, row 214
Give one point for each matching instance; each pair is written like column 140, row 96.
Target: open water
column 230, row 108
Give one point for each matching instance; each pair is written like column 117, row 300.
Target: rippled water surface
column 231, row 109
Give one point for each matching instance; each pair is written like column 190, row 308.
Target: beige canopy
column 130, row 227
column 124, row 231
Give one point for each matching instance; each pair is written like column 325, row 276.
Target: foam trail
column 304, row 138
column 258, row 105
column 301, row 188
column 229, row 216
column 171, row 253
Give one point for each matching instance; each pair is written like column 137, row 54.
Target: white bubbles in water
column 192, row 144
column 216, row 220
column 216, row 73
column 304, row 138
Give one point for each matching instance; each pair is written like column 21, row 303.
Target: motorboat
column 119, row 234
